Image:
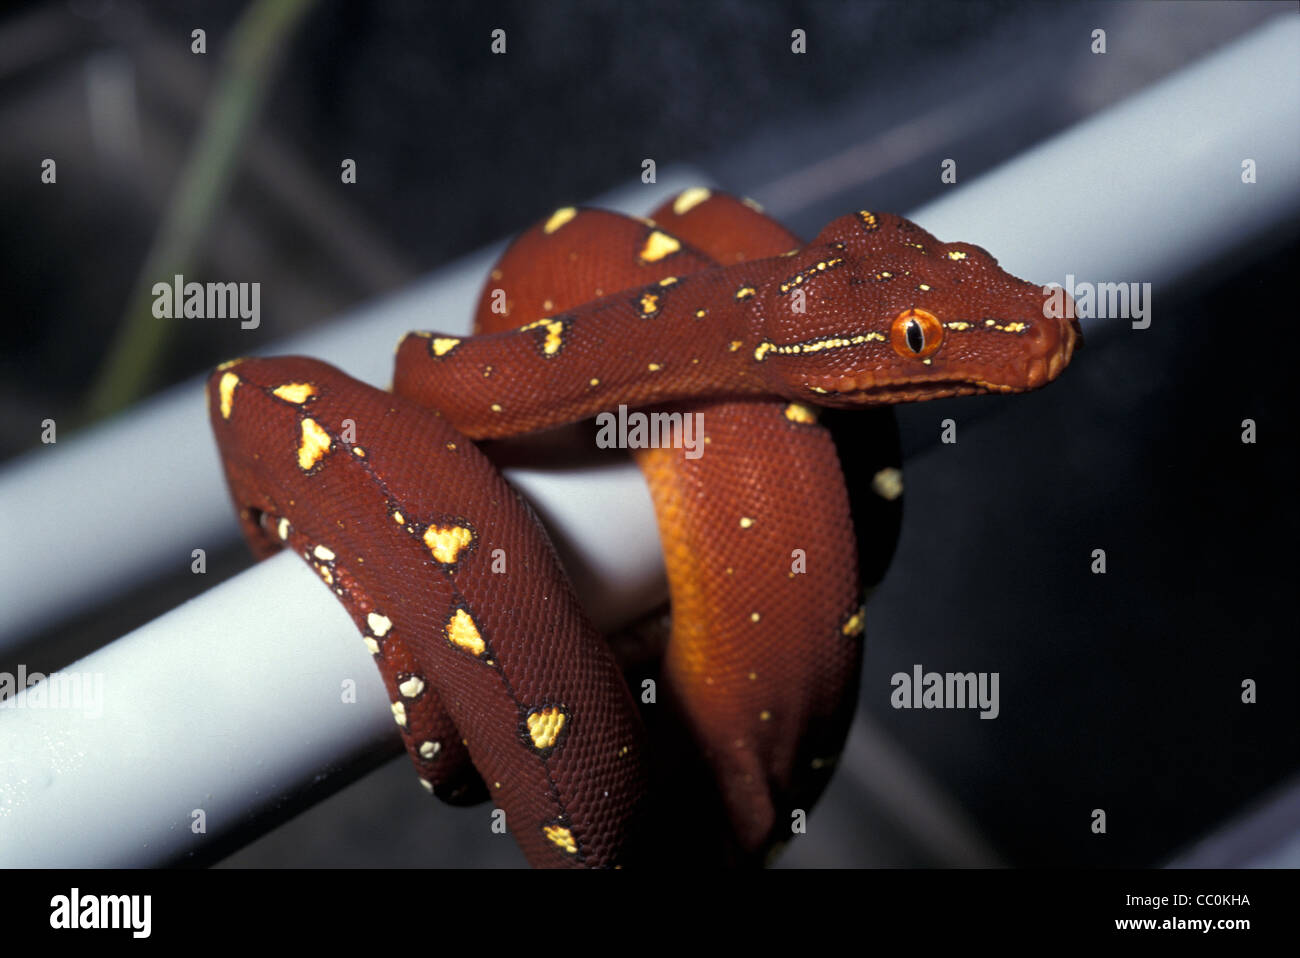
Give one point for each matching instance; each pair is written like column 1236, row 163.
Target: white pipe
column 274, row 626
column 1149, row 190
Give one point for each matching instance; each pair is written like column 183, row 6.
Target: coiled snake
column 499, row 684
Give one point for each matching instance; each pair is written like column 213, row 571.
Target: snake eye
column 915, row 338
column 916, row 334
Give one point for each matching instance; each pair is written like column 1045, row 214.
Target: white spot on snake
column 412, row 687
column 379, row 624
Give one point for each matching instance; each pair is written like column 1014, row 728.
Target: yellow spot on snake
column 816, row 346
column 765, row 716
column 545, row 725
column 687, row 200
column 446, row 542
column 658, row 245
column 282, row 528
column 744, row 292
column 227, row 388
column 956, row 254
column 315, row 443
column 229, row 363
column 399, row 713
column 561, row 216
column 753, row 676
column 754, row 617
column 746, row 522
column 451, row 446
column 856, row 623
column 1008, row 328
column 701, row 313
column 496, row 407
column 924, row 287
column 959, row 325
column 888, row 483
column 411, row 687
column 594, row 382
column 868, row 219
column 649, row 304
column 554, row 334
column 654, row 367
column 429, row 750
column 561, row 837
column 399, row 518
column 462, row 632
column 442, row 345
column 358, row 452
column 297, row 393
column 798, row 412
column 379, row 624
column 668, row 281
column 324, row 554
column 734, row 345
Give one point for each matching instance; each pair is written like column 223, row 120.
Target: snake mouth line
column 893, row 391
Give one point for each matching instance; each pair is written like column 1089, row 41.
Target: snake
column 500, row 685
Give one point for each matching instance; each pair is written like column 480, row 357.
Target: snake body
column 498, row 682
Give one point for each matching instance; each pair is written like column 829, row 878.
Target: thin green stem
column 256, row 44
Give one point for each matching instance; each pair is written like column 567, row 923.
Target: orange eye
column 916, row 334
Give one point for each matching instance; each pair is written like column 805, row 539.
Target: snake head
column 890, row 314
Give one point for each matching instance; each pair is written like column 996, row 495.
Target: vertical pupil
column 915, row 338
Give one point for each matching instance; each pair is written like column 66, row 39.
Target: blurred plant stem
column 256, row 43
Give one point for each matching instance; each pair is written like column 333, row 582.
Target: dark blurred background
column 1119, row 691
